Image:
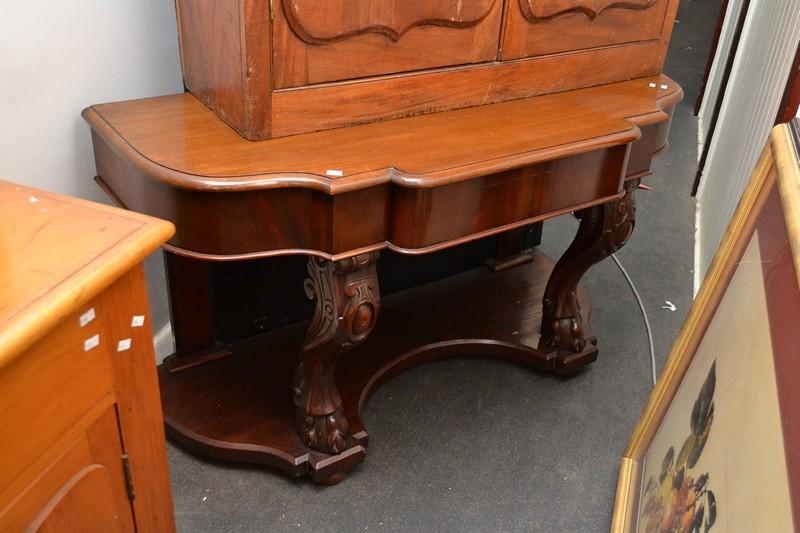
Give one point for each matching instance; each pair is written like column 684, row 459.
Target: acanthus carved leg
column 347, row 304
column 603, row 230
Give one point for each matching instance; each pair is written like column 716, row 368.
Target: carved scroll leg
column 347, row 304
column 603, row 230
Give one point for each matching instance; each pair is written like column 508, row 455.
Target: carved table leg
column 347, row 304
column 603, row 230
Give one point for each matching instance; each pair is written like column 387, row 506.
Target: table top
column 56, row 254
column 177, row 140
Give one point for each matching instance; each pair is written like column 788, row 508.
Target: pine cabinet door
column 83, row 489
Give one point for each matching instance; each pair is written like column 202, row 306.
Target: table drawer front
column 317, row 42
column 540, row 27
column 427, row 219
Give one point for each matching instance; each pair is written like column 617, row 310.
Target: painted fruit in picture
column 680, row 500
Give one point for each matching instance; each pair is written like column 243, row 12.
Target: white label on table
column 124, row 345
column 87, row 317
column 137, row 321
column 91, row 342
column 335, row 173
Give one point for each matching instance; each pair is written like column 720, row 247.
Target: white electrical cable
column 644, row 315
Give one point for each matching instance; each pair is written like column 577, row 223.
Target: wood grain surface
column 59, row 273
column 483, row 170
column 191, row 149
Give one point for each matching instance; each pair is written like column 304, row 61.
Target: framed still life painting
column 717, row 448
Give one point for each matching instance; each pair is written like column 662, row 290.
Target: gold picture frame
column 676, row 498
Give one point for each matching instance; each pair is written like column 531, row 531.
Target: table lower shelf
column 240, row 407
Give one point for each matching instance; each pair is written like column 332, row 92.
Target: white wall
column 60, row 56
column 757, row 83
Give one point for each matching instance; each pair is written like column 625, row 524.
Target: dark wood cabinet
column 283, row 67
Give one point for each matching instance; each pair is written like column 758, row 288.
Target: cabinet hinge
column 126, row 467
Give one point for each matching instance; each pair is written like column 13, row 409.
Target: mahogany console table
column 413, row 185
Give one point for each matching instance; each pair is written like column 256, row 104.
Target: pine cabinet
column 82, row 437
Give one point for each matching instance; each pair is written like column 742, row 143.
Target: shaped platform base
column 240, row 407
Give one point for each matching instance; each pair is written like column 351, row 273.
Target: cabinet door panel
column 318, row 41
column 79, row 505
column 539, row 27
column 83, row 489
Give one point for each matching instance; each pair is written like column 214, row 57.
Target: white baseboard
column 163, row 342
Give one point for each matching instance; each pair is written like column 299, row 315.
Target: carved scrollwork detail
column 625, row 218
column 319, row 287
column 320, row 23
column 347, row 305
column 536, row 11
column 362, row 298
column 617, row 221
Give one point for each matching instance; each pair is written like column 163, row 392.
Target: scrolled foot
column 326, row 433
column 568, row 363
column 566, row 333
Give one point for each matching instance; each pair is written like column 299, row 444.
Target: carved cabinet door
column 539, row 27
column 317, row 41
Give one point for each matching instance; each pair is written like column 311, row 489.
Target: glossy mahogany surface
column 413, row 185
